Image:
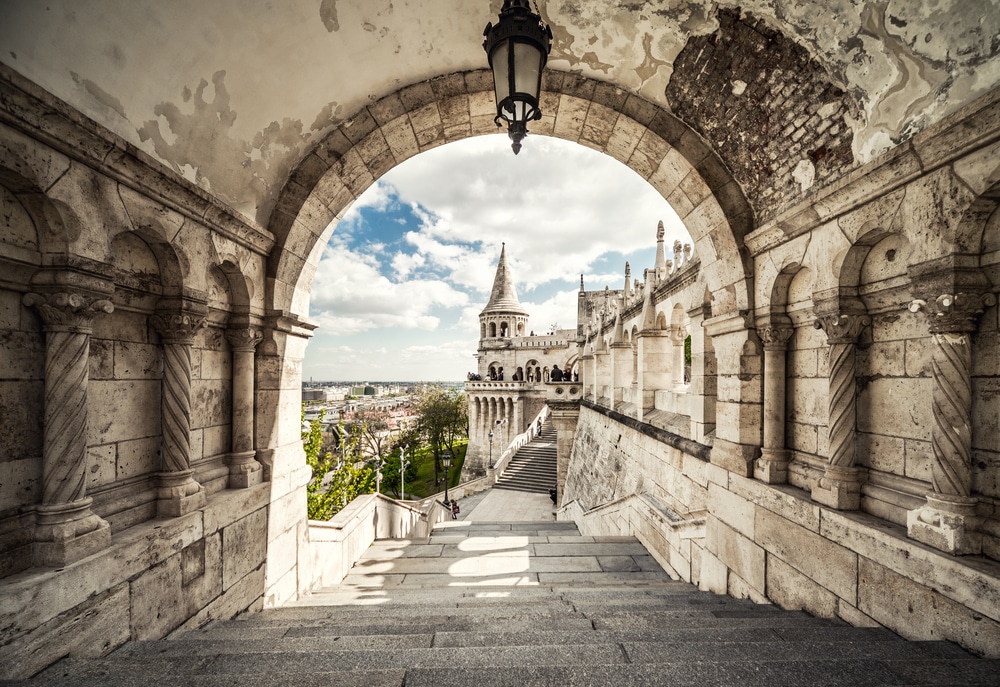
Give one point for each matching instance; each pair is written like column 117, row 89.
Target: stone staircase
column 533, row 467
column 522, row 604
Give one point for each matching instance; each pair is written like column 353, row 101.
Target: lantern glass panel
column 527, row 65
column 501, row 81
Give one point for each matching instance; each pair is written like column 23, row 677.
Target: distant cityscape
column 343, row 400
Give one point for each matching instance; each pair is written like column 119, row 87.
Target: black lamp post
column 446, row 461
column 490, row 435
column 518, row 47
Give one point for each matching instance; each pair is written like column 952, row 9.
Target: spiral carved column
column 244, row 470
column 949, row 520
column 66, row 529
column 840, row 486
column 178, row 492
column 772, row 466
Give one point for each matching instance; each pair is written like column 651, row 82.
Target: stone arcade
column 169, row 174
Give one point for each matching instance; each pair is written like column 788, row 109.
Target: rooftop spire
column 503, row 298
column 660, row 266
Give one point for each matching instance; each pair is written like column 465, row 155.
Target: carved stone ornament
column 67, row 311
column 178, row 328
column 244, row 339
column 775, row 336
column 951, row 313
column 842, row 327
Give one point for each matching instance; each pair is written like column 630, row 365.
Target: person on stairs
column 454, row 509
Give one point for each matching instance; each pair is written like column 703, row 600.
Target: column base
column 948, row 523
column 772, row 466
column 68, row 532
column 244, row 470
column 178, row 493
column 839, row 488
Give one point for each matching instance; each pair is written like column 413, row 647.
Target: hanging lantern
column 518, row 47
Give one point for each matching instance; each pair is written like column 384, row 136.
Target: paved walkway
column 501, row 505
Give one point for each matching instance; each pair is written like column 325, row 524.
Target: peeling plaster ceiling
column 232, row 93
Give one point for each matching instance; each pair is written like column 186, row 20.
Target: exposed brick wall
column 789, row 110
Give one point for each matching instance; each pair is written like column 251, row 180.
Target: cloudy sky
column 407, row 271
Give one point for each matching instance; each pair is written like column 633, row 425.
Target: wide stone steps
column 523, row 604
column 533, row 467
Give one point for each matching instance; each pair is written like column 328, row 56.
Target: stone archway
column 671, row 156
column 663, row 150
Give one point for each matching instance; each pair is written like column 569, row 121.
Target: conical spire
column 503, row 298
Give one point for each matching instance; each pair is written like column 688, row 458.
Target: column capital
column 244, row 338
column 842, row 327
column 67, row 311
column 179, row 323
column 954, row 313
column 775, row 335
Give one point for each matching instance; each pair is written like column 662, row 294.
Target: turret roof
column 503, row 298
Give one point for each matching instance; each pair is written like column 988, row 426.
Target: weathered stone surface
column 158, row 600
column 829, row 564
column 244, row 545
column 741, row 555
column 90, row 629
column 919, row 611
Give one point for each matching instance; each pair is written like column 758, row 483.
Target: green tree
column 336, row 480
column 444, row 419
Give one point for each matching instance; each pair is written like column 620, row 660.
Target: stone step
column 523, row 604
column 730, row 638
column 844, row 663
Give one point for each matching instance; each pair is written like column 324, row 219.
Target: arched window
column 493, row 330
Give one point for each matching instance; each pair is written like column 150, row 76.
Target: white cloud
column 558, row 206
column 559, row 309
column 349, row 295
column 404, row 264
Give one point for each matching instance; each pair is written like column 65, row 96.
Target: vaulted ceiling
column 232, row 94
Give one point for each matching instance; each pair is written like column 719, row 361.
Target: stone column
column 66, row 530
column 244, row 470
column 178, row 492
column 840, row 486
column 621, row 372
column 948, row 521
column 655, row 359
column 677, row 335
column 772, row 466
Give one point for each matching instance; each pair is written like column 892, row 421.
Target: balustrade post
column 948, row 521
column 66, row 530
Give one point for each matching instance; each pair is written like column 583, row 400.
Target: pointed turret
column 628, row 281
column 503, row 298
column 503, row 317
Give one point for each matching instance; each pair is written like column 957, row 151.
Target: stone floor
column 498, row 505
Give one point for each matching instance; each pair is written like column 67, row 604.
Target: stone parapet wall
column 154, row 579
column 773, row 544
